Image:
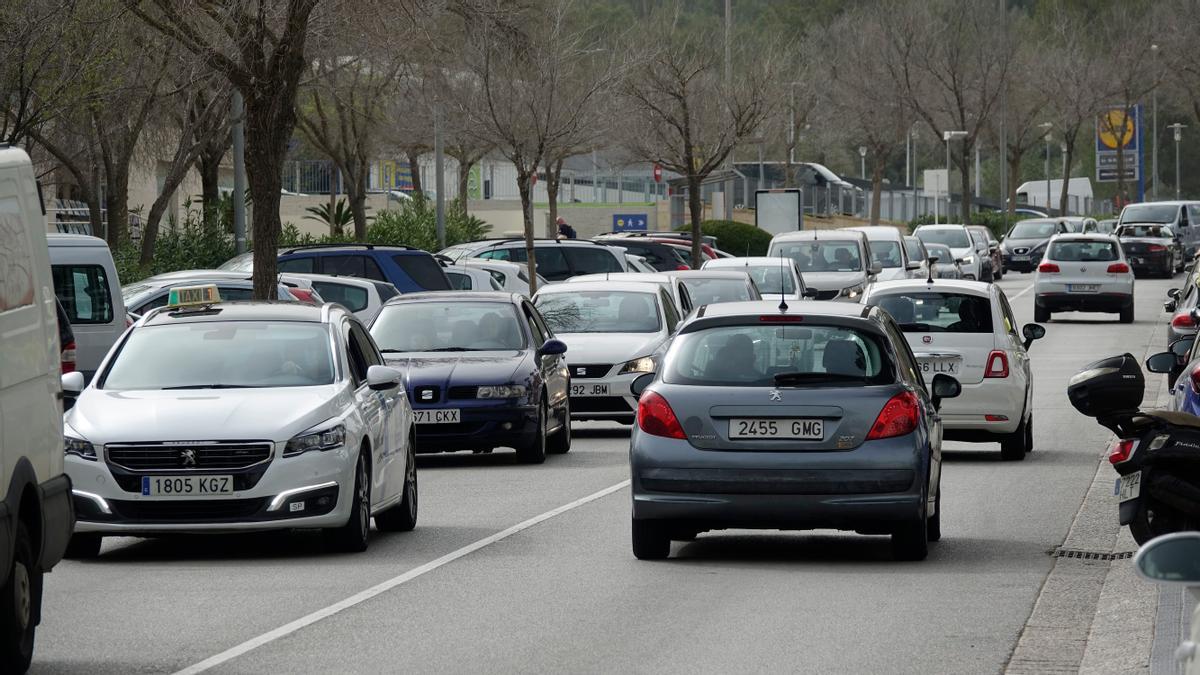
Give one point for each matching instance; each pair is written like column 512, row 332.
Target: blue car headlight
column 644, row 364
column 326, row 439
column 502, row 391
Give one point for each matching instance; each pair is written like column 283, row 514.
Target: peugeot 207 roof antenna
column 783, row 306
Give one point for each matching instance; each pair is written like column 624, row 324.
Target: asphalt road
column 469, row 592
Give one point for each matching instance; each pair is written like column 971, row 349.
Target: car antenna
column 783, row 306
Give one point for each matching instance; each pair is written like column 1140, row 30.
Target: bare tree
column 860, row 96
column 1181, row 59
column 952, row 61
column 260, row 47
column 535, row 91
column 681, row 112
column 341, row 109
column 1025, row 110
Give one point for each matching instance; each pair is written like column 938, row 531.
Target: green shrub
column 191, row 245
column 740, row 239
column 415, row 224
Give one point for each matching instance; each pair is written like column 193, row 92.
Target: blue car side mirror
column 552, row 347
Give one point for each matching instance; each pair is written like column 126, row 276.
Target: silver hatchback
column 815, row 416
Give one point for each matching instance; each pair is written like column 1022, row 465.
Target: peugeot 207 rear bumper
column 868, row 489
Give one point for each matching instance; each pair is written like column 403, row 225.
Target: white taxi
column 1083, row 273
column 614, row 331
column 966, row 329
column 220, row 417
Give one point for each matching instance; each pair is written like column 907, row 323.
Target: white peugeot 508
column 966, row 329
column 231, row 417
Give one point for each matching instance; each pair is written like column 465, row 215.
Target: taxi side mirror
column 944, row 386
column 1170, row 559
column 72, row 384
column 1031, row 332
column 383, row 378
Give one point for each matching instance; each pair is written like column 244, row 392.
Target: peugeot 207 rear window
column 765, row 355
column 937, row 312
column 1083, row 250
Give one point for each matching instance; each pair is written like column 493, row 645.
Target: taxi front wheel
column 352, row 537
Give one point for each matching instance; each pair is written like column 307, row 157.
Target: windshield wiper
column 393, row 351
column 451, row 349
column 786, row 379
column 213, row 386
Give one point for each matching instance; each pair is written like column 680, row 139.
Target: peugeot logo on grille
column 187, row 457
column 775, row 395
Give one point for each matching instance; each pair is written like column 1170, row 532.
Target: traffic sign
column 629, row 222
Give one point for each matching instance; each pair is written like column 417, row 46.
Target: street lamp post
column 1062, row 148
column 950, row 136
column 912, row 180
column 1047, row 126
column 862, row 162
column 1154, row 128
column 1178, row 129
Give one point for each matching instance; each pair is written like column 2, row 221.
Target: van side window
column 84, row 293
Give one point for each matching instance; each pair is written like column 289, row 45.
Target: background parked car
column 409, row 270
column 85, row 281
column 1152, row 249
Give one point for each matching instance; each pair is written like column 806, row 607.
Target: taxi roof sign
column 193, row 296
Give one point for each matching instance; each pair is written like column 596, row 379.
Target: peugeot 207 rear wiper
column 790, row 379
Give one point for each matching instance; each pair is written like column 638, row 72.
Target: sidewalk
column 1094, row 614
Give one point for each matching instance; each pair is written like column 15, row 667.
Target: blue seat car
column 481, row 370
column 1181, row 364
column 410, row 270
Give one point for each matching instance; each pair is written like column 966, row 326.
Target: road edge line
column 383, row 587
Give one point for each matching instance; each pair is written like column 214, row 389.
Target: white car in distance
column 613, row 331
column 775, row 276
column 975, row 261
column 966, row 329
column 1083, row 273
column 233, row 417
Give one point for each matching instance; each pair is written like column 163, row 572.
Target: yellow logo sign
column 1113, row 124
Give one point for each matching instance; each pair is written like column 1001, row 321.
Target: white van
column 36, row 514
column 85, row 280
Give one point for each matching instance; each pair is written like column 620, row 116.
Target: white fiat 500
column 220, row 417
column 966, row 329
column 1083, row 273
column 613, row 331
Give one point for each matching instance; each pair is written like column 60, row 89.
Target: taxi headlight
column 502, row 391
column 644, row 364
column 328, row 439
column 853, row 292
column 79, row 448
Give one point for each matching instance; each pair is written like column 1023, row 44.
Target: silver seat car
column 815, row 416
column 838, row 264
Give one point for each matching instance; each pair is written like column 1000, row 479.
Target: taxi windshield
column 448, row 327
column 600, row 312
column 823, row 255
column 943, row 312
column 222, row 355
column 768, row 355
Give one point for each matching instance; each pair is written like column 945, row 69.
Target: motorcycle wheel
column 1152, row 520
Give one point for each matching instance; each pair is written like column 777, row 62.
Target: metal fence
column 72, row 217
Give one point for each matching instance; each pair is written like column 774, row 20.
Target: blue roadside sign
column 629, row 222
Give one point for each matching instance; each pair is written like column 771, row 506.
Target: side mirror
column 912, row 266
column 1173, row 294
column 1162, row 362
column 72, row 384
column 1170, row 559
column 1031, row 332
column 811, row 292
column 943, row 387
column 383, row 378
column 958, row 261
column 1182, row 346
column 552, row 347
column 875, row 269
column 640, row 383
column 1170, row 305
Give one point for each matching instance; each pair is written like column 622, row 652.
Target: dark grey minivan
column 814, row 416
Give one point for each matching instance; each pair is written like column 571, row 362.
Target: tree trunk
column 414, row 167
column 150, row 227
column 696, row 208
column 553, row 182
column 268, row 128
column 525, row 187
column 965, row 164
column 876, row 187
column 464, row 180
column 1014, row 174
column 1062, row 199
column 357, row 194
column 116, row 202
column 209, row 166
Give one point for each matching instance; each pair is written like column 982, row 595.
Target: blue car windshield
column 753, row 355
column 450, row 326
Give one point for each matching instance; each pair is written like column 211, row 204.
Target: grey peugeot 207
column 765, row 416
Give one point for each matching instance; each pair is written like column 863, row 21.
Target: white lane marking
column 1027, row 289
column 363, row 596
